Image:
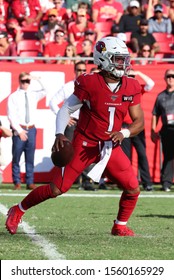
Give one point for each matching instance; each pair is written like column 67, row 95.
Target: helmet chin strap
column 110, row 75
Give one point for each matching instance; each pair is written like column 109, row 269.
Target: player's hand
column 116, row 136
column 154, row 136
column 59, row 142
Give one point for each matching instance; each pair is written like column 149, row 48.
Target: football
column 64, row 155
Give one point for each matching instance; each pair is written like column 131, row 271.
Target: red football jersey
column 103, row 110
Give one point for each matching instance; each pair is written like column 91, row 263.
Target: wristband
column 125, row 132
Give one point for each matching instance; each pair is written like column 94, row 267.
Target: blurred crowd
column 58, row 28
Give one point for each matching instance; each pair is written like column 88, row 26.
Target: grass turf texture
column 79, row 227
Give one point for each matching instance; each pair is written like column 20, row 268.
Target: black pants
column 139, row 143
column 167, row 139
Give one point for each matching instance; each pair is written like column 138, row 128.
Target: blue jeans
column 28, row 147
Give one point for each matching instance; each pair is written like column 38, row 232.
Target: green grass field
column 77, row 226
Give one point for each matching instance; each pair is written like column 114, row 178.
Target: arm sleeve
column 71, row 105
column 149, row 85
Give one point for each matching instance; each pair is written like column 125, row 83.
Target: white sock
column 117, row 222
column 20, row 207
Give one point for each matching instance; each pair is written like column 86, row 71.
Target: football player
column 103, row 99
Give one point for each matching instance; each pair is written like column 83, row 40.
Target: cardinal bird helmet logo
column 100, row 46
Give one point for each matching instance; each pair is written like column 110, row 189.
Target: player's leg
column 119, row 170
column 62, row 180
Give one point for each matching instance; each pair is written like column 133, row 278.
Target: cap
column 122, row 36
column 3, row 34
column 52, row 12
column 60, row 30
column 143, row 21
column 158, row 8
column 115, row 28
column 12, row 20
column 89, row 32
column 134, row 4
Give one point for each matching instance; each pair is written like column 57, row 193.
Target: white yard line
column 48, row 249
column 95, row 195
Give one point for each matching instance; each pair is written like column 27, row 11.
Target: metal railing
column 41, row 58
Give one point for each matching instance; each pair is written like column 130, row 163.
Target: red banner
column 54, row 77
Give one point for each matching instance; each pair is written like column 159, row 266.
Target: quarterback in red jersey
column 103, row 99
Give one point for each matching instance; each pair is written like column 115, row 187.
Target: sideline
column 48, row 249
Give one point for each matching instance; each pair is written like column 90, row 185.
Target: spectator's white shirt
column 61, row 96
column 16, row 107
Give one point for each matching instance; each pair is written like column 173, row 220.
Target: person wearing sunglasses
column 22, row 109
column 46, row 33
column 57, row 47
column 164, row 110
column 142, row 37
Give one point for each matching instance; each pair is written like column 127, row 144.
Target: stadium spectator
column 77, row 29
column 171, row 14
column 159, row 23
column 139, row 141
column 98, row 134
column 47, row 30
column 104, row 10
column 141, row 37
column 61, row 11
column 70, row 52
column 6, row 48
column 85, row 5
column 56, row 48
column 4, row 12
column 115, row 29
column 129, row 22
column 148, row 8
column 46, row 5
column 164, row 110
column 87, row 51
column 14, row 30
column 27, row 12
column 145, row 54
column 22, row 107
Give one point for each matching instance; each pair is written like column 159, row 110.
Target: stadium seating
column 104, row 27
column 28, row 48
column 162, row 37
column 165, row 41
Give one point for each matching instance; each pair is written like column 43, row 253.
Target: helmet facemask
column 111, row 54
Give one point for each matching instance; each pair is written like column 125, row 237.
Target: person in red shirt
column 47, row 30
column 56, row 48
column 76, row 30
column 103, row 99
column 6, row 48
column 27, row 12
column 105, row 10
column 14, row 31
column 4, row 12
